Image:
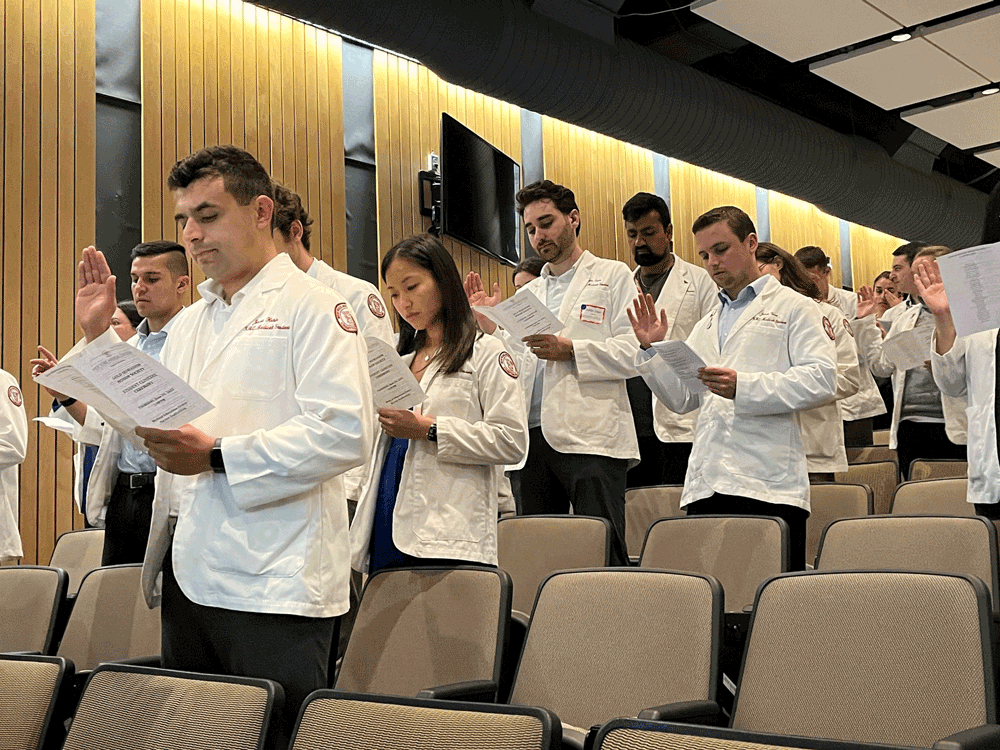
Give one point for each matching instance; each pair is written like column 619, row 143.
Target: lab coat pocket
column 454, row 396
column 246, row 377
column 762, row 446
column 269, row 540
column 457, row 513
column 763, row 347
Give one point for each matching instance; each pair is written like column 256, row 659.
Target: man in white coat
column 767, row 357
column 13, row 445
column 581, row 437
column 249, row 522
column 687, row 294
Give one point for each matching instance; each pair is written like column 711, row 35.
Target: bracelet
column 67, row 403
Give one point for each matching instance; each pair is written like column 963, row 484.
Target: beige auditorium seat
column 30, row 597
column 934, row 497
column 937, row 468
column 643, row 506
column 30, row 688
column 829, row 501
column 349, row 721
column 78, row 552
column 881, row 476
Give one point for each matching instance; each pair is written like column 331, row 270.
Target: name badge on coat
column 592, row 314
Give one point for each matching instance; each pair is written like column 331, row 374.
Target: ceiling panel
column 913, row 12
column 894, row 75
column 990, row 157
column 973, row 41
column 967, row 124
column 797, row 29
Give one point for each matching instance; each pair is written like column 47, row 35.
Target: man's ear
column 295, row 231
column 263, row 211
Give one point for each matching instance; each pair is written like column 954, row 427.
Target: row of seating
column 830, row 655
column 828, row 502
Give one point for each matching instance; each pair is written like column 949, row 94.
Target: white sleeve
column 13, row 424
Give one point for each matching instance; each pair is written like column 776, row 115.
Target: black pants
column 732, row 505
column 859, row 433
column 289, row 649
column 126, row 523
column 924, row 440
column 593, row 484
column 660, row 463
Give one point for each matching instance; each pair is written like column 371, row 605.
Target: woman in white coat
column 432, row 496
column 821, row 426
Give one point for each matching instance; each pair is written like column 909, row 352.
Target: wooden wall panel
column 871, row 253
column 224, row 71
column 603, row 173
column 409, row 101
column 795, row 224
column 693, row 191
column 47, row 166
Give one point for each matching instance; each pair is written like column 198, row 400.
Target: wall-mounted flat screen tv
column 478, row 185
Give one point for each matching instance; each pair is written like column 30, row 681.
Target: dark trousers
column 859, row 433
column 924, row 440
column 289, row 649
column 734, row 505
column 595, row 486
column 660, row 463
column 126, row 523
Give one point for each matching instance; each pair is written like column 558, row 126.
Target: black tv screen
column 478, row 185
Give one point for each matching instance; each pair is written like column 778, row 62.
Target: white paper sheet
column 393, row 384
column 973, row 285
column 682, row 359
column 59, row 425
column 523, row 315
column 128, row 388
column 909, row 349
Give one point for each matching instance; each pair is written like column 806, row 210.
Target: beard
column 646, row 257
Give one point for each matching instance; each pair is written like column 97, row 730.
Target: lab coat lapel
column 753, row 308
column 576, row 286
column 672, row 295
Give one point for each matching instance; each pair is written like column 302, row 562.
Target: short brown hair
column 288, row 209
column 932, row 251
column 560, row 195
column 735, row 218
column 812, row 257
column 243, row 176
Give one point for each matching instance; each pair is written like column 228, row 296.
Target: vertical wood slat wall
column 603, row 173
column 223, row 71
column 47, row 167
column 871, row 253
column 409, row 100
column 796, row 224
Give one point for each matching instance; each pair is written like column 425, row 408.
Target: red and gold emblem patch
column 14, row 394
column 828, row 327
column 376, row 305
column 345, row 318
column 848, row 327
column 507, row 364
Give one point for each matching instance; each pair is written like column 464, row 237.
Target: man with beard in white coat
column 249, row 522
column 767, row 356
column 687, row 294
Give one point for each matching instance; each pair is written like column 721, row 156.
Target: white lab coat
column 585, row 406
column 446, row 506
column 373, row 320
column 288, row 376
column 751, row 445
column 953, row 408
column 968, row 371
column 688, row 295
column 13, row 447
column 822, row 426
column 867, row 401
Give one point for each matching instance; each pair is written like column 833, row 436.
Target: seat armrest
column 573, row 738
column 520, row 618
column 983, row 737
column 141, row 661
column 477, row 691
column 686, row 712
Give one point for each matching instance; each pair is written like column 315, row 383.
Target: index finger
column 46, row 353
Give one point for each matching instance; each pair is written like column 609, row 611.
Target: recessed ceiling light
column 989, row 91
column 901, row 37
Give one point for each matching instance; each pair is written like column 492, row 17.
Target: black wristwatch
column 215, row 458
column 432, row 432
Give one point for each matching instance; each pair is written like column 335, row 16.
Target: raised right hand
column 648, row 327
column 95, row 293
column 867, row 302
column 45, row 362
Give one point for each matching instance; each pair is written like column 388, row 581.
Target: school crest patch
column 828, row 327
column 14, row 394
column 345, row 318
column 848, row 327
column 507, row 364
column 376, row 305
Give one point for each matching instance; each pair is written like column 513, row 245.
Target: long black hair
column 460, row 329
